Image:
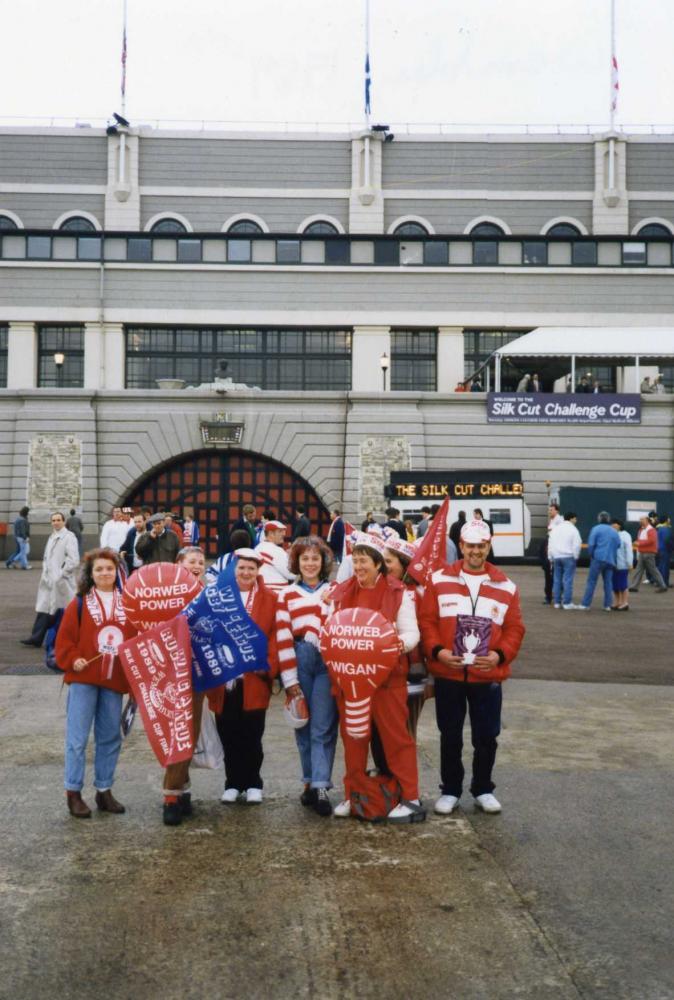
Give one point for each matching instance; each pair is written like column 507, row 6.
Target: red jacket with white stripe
column 447, row 596
column 647, row 540
column 300, row 614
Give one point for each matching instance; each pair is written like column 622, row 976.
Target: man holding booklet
column 471, row 629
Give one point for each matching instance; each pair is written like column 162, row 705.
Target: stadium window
column 338, row 251
column 139, row 250
column 485, row 249
column 584, row 254
column 634, row 253
column 410, row 229
column 38, row 247
column 168, row 226
column 534, row 252
column 4, row 343
column 387, row 252
column 321, row 228
column 77, row 224
column 69, row 342
column 414, row 360
column 564, row 229
column 655, row 229
column 436, row 253
column 287, row 251
column 245, row 226
column 89, row 248
column 189, row 251
column 6, row 223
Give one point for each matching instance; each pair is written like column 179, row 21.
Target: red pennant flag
column 158, row 667
column 432, row 552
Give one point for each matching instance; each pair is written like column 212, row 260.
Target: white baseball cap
column 475, row 532
column 249, row 554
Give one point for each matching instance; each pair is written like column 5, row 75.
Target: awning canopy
column 617, row 342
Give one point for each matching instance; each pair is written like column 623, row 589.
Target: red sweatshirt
column 86, row 638
column 647, row 539
column 447, row 596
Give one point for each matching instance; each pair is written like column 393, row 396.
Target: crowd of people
column 458, row 632
column 612, row 558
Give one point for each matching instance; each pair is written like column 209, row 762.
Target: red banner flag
column 432, row 552
column 158, row 667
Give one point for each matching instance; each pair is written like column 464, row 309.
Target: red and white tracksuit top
column 447, row 596
column 300, row 614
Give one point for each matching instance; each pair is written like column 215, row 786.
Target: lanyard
column 473, row 603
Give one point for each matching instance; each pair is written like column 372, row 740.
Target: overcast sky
column 482, row 61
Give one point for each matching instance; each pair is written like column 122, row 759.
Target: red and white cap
column 372, row 540
column 397, row 544
column 275, row 526
column 475, row 532
column 249, row 554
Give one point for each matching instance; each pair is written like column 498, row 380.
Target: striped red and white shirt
column 300, row 614
column 274, row 570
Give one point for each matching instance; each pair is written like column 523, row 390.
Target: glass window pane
column 387, row 252
column 89, row 248
column 139, row 250
column 485, row 253
column 245, row 226
column 584, row 254
column 634, row 253
column 238, row 251
column 337, row 251
column 321, row 229
column 39, row 247
column 78, row 224
column 563, row 229
column 290, row 342
column 7, row 223
column 287, row 251
column 436, row 253
column 534, row 252
column 168, row 226
column 187, row 340
column 189, row 251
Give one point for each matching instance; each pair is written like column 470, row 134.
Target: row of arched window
column 242, row 226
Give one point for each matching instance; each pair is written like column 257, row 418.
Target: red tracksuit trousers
column 389, row 713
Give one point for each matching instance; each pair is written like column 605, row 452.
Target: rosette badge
column 360, row 648
column 157, row 593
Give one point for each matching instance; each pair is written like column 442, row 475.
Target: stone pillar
column 122, row 195
column 450, row 357
column 366, row 201
column 367, row 347
column 610, row 207
column 22, row 356
column 115, row 356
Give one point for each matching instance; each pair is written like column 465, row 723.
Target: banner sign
column 563, row 408
column 226, row 642
column 158, row 667
column 156, row 593
column 360, row 648
column 431, row 552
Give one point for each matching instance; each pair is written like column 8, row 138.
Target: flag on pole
column 124, row 63
column 615, row 84
column 368, row 84
column 431, row 554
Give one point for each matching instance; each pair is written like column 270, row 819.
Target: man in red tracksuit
column 471, row 630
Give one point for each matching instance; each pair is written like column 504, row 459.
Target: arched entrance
column 216, row 484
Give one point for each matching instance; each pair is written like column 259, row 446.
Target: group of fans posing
column 290, row 594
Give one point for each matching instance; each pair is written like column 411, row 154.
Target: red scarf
column 386, row 596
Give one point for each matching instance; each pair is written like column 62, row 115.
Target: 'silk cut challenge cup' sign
column 157, row 593
column 360, row 648
column 563, row 408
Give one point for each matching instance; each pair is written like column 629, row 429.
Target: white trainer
column 488, row 803
column 230, row 795
column 557, row 606
column 254, row 796
column 568, row 607
column 446, row 804
column 342, row 810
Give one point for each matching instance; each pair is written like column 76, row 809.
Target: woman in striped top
column 300, row 614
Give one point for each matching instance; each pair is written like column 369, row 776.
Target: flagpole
column 613, row 102
column 122, row 138
column 367, row 63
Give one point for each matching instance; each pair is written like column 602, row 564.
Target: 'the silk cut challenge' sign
column 158, row 667
column 563, row 408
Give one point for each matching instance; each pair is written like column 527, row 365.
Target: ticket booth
column 498, row 493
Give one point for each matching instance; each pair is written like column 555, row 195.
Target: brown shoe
column 106, row 802
column 77, row 806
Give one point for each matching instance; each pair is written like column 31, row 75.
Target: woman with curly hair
column 300, row 614
column 93, row 627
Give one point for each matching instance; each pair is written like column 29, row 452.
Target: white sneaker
column 557, row 606
column 488, row 803
column 580, row 607
column 254, row 796
column 230, row 795
column 446, row 804
column 342, row 810
column 568, row 607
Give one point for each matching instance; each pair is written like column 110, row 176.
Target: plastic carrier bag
column 208, row 752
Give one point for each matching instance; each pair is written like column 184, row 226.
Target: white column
column 450, row 357
column 366, row 200
column 93, row 356
column 22, row 356
column 114, row 356
column 610, row 202
column 122, row 195
column 367, row 347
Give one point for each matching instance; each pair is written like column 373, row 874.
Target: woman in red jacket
column 241, row 705
column 371, row 587
column 94, row 625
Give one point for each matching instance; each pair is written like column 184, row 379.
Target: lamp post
column 59, row 360
column 384, row 363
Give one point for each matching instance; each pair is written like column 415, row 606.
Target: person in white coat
column 57, row 583
column 275, row 570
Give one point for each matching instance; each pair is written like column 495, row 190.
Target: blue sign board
column 563, row 408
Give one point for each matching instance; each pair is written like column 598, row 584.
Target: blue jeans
column 87, row 704
column 605, row 571
column 663, row 563
column 21, row 554
column 317, row 740
column 564, row 570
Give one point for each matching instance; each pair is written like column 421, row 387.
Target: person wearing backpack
column 93, row 627
column 371, row 587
